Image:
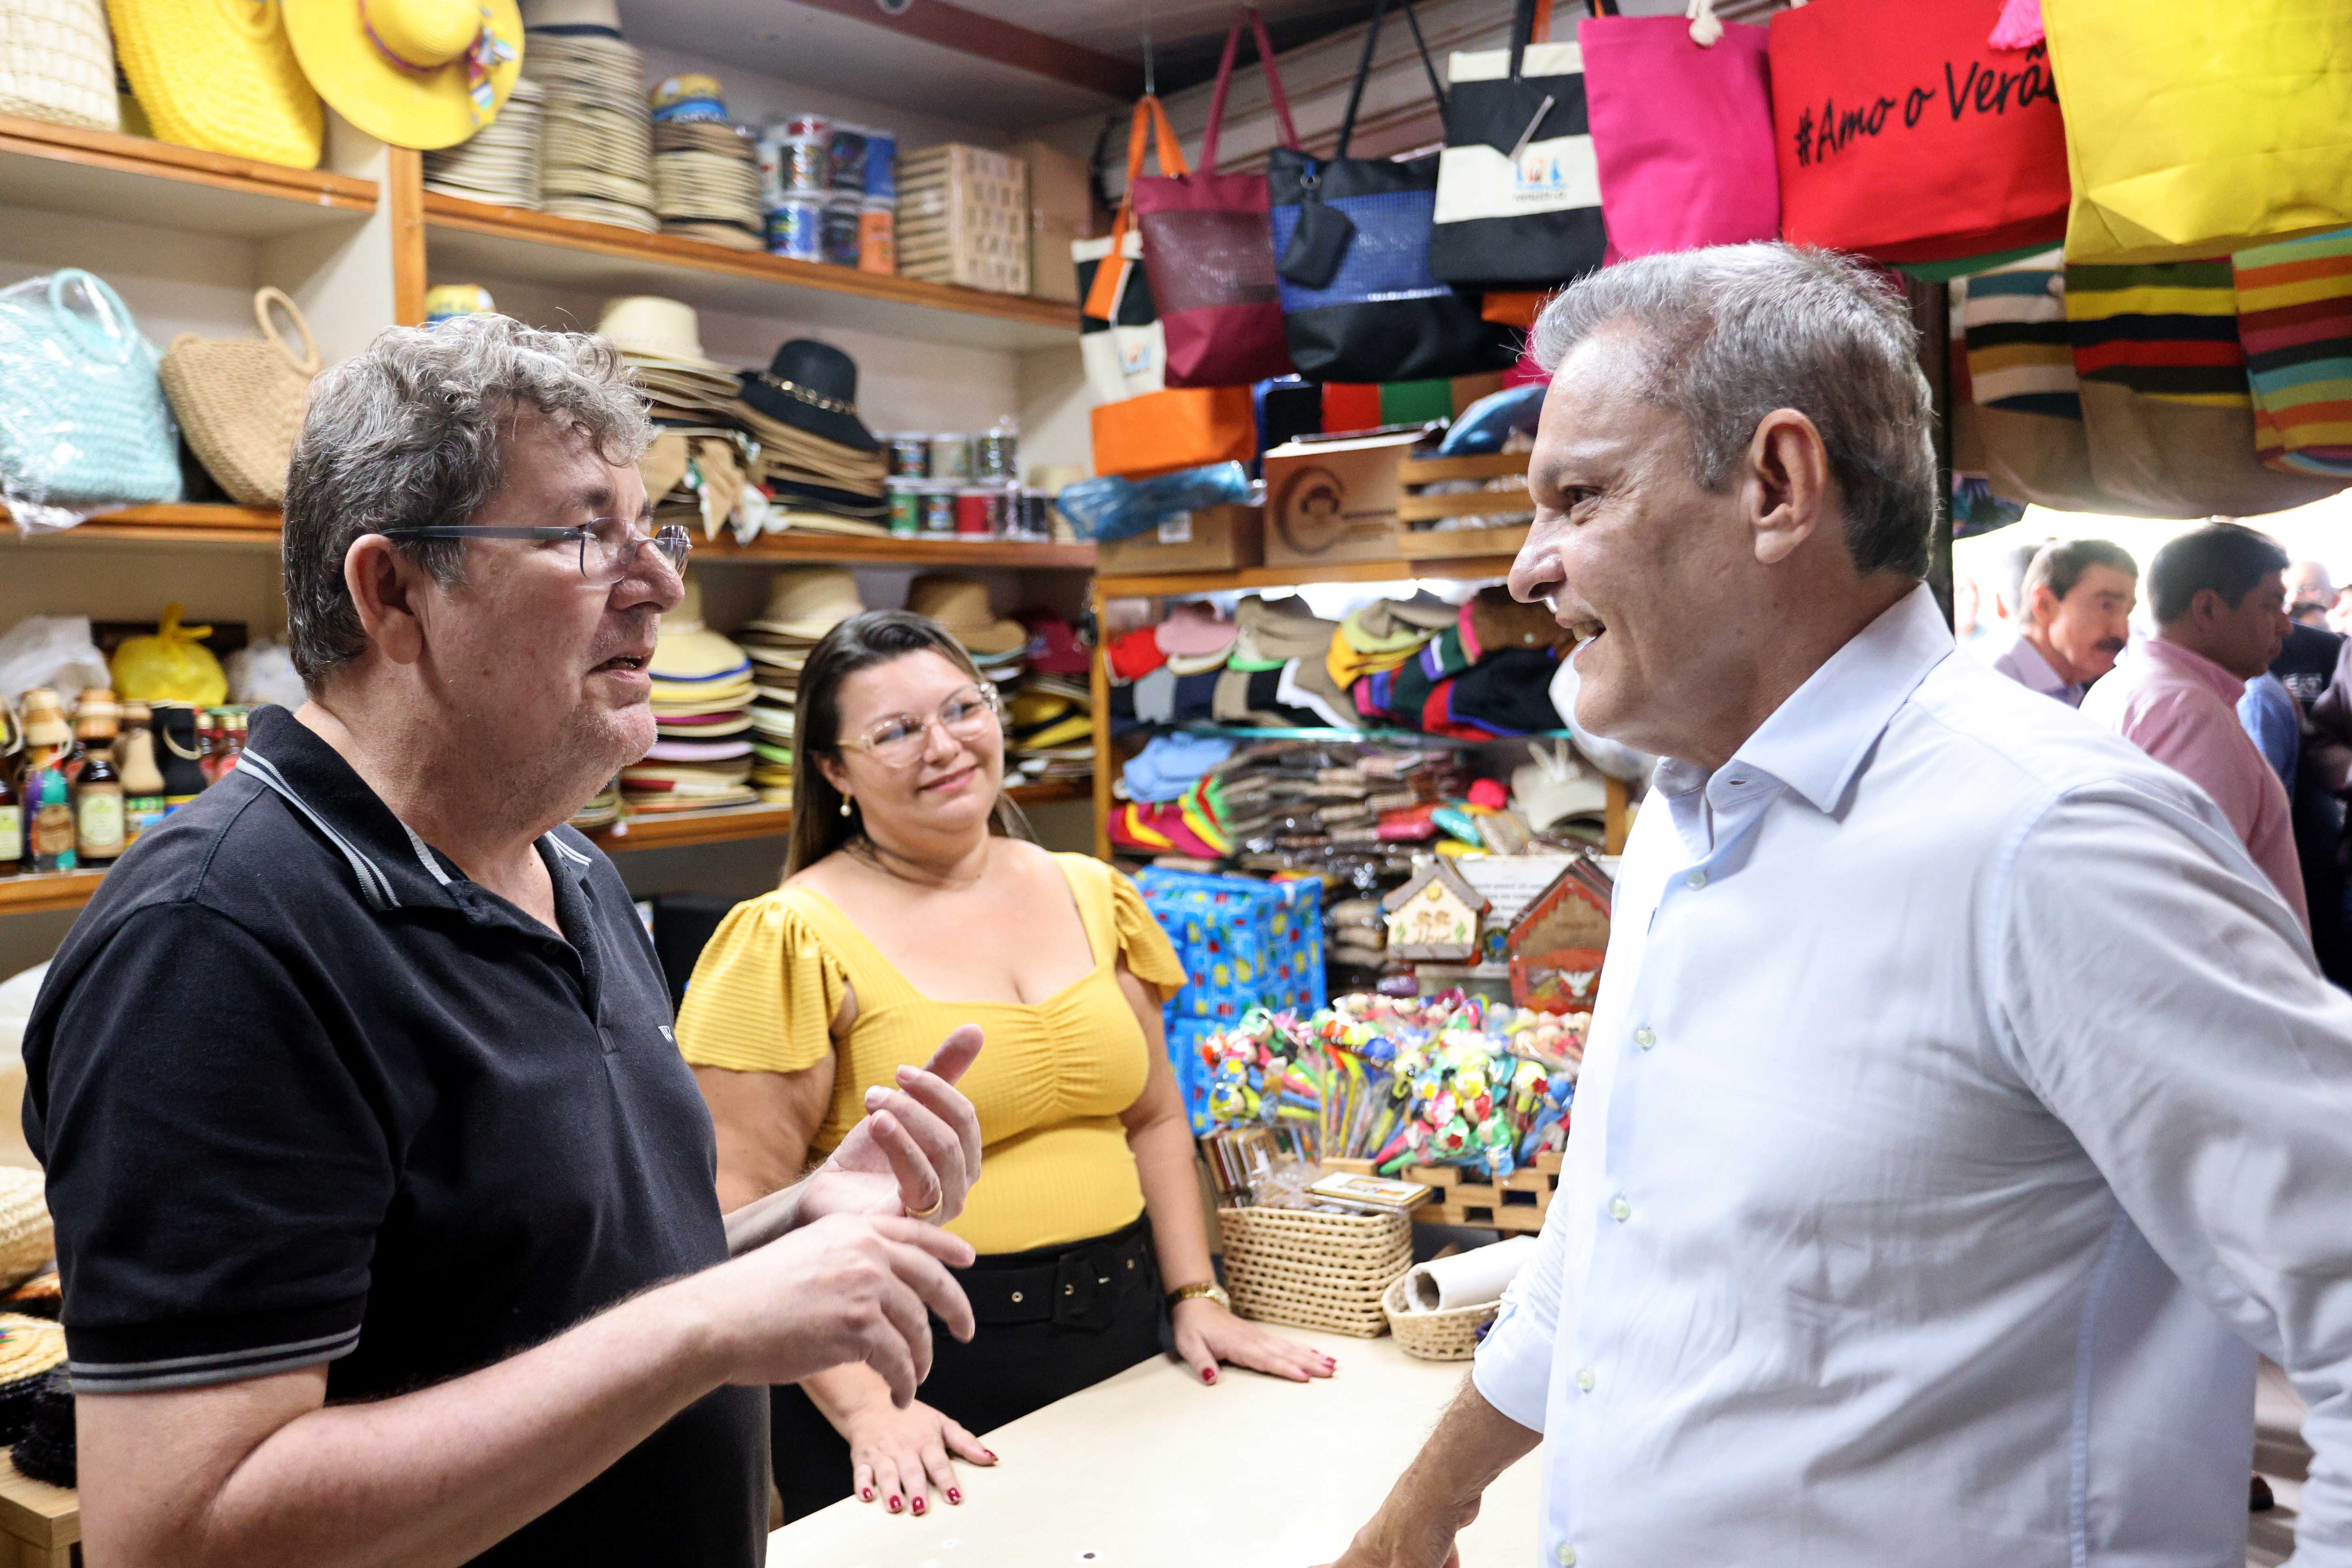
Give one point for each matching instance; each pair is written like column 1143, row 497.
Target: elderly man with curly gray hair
column 384, row 1201
column 1962, row 1110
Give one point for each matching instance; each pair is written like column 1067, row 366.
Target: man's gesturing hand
column 917, row 1150
column 851, row 1288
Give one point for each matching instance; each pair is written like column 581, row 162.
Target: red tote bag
column 1902, row 134
column 1208, row 249
column 1682, row 133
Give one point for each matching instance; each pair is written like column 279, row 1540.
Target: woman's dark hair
column 861, row 642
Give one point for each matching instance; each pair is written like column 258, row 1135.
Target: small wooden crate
column 1415, row 506
column 963, row 218
column 1314, row 1271
column 39, row 1523
column 1516, row 1204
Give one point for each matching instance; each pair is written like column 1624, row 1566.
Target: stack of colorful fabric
column 1048, row 732
column 702, row 689
column 804, row 604
column 1485, row 672
column 694, row 469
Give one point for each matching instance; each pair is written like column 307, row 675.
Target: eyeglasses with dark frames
column 608, row 546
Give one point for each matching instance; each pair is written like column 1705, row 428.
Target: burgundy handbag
column 1208, row 250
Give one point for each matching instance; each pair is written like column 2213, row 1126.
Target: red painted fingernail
column 1208, row 1374
column 894, row 1505
column 992, row 1454
column 868, row 1495
column 918, row 1508
column 954, row 1496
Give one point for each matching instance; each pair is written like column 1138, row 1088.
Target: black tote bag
column 1519, row 198
column 1358, row 301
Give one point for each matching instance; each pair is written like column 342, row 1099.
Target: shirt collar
column 393, row 867
column 2036, row 672
column 1815, row 742
column 2191, row 665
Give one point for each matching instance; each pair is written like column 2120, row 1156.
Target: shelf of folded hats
column 676, row 830
column 473, row 241
column 67, row 170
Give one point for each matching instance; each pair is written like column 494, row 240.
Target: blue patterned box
column 1244, row 943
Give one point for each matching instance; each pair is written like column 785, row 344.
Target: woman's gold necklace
column 874, row 855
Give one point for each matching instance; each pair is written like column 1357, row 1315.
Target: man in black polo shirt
column 384, row 1201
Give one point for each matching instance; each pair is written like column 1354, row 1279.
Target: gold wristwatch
column 1209, row 1288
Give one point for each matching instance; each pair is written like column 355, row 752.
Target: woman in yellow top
column 809, row 1000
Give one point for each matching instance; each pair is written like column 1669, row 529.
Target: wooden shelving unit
column 31, row 895
column 104, row 175
column 475, row 241
column 1165, row 584
column 176, row 523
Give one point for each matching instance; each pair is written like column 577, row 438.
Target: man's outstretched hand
column 915, row 1153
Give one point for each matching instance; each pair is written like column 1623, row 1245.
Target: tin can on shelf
column 910, row 455
column 796, row 228
column 846, row 159
column 802, row 169
column 878, row 236
column 938, row 508
column 996, row 453
column 812, row 125
column 979, row 511
column 881, row 164
column 840, row 230
column 951, row 457
column 906, row 507
column 1034, row 513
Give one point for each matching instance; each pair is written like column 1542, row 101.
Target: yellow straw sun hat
column 415, row 73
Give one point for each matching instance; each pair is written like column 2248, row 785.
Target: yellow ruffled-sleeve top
column 1049, row 1085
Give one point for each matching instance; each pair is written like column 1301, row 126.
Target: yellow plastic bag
column 173, row 666
column 2195, row 128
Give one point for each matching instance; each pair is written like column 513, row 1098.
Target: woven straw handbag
column 57, row 63
column 219, row 75
column 240, row 401
column 27, row 1241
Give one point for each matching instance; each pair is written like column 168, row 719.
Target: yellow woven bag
column 240, row 401
column 219, row 75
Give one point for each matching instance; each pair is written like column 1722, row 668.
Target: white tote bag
column 57, row 63
column 1126, row 355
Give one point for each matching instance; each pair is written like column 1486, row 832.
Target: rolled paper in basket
column 1469, row 1279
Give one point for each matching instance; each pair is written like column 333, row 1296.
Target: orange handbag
column 1184, row 428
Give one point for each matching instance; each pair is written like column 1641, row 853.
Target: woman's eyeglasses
column 608, row 546
column 898, row 741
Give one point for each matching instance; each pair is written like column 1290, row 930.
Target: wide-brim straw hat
column 686, row 650
column 605, row 13
column 398, row 70
column 959, row 605
column 808, row 603
column 663, row 331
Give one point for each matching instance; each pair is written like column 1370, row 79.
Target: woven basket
column 1449, row 1335
column 220, row 75
column 57, row 63
column 1314, row 1271
column 27, row 1240
column 240, row 401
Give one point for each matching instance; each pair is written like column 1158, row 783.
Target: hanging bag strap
column 305, row 363
column 1364, row 69
column 1150, row 127
column 1525, row 17
column 1225, row 82
column 112, row 339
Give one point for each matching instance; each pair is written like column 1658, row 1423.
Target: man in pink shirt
column 2218, row 597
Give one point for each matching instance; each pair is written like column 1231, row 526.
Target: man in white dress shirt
column 1962, row 1110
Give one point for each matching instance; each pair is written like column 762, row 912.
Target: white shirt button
column 1696, row 878
column 1620, row 1210
column 1584, row 1379
column 1567, row 1555
column 1645, row 1037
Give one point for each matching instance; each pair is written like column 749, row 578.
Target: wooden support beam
column 985, row 38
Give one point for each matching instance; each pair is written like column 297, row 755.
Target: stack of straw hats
column 1049, row 734
column 694, row 471
column 804, row 604
column 959, row 605
column 500, row 163
column 596, row 160
column 701, row 756
column 706, row 170
column 819, row 465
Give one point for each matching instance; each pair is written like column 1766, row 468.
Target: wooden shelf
column 470, row 242
column 679, row 830
column 30, row 895
column 104, row 175
column 173, row 524
column 851, row 549
column 1158, row 584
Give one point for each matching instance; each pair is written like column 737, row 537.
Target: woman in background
column 909, row 880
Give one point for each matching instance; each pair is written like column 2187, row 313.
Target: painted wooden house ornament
column 1556, row 944
column 1434, row 916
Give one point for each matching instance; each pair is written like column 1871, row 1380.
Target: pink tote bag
column 1682, row 133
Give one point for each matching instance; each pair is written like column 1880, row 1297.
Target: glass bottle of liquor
column 12, row 799
column 142, row 781
column 96, row 789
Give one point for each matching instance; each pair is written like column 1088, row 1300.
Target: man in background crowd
column 2000, row 597
column 2219, row 598
column 2309, row 594
column 2076, row 603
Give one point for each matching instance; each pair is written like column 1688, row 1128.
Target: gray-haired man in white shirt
column 1963, row 1109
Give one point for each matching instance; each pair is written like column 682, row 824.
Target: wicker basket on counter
column 1314, row 1271
column 1449, row 1335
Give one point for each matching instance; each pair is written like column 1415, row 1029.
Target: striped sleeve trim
column 196, row 1371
